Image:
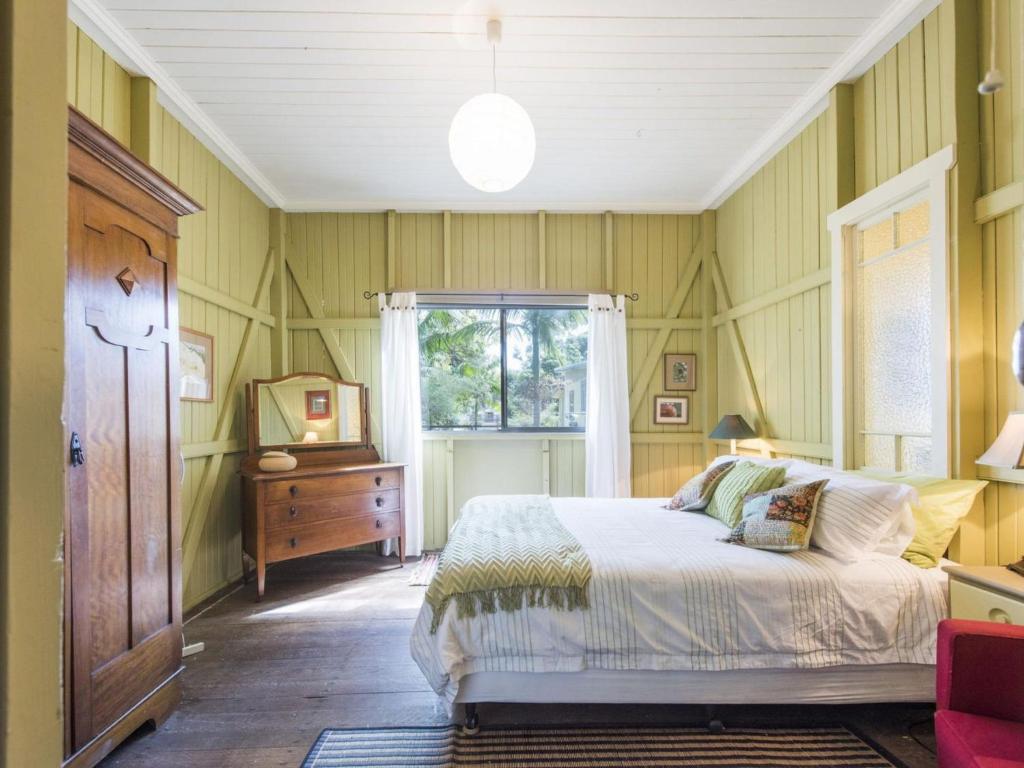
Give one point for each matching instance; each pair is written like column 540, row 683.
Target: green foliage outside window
column 544, row 371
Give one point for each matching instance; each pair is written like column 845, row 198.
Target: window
column 891, row 334
column 892, row 340
column 507, row 368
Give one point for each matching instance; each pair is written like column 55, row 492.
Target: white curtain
column 608, row 450
column 400, row 405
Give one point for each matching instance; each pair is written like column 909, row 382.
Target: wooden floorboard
column 329, row 647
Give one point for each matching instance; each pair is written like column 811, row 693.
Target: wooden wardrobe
column 122, row 530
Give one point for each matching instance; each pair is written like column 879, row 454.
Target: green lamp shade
column 732, row 427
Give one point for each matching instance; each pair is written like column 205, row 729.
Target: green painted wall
column 33, row 227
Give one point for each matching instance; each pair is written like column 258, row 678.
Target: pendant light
column 491, row 140
column 993, row 80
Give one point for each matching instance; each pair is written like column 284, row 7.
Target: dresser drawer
column 968, row 601
column 302, row 511
column 303, row 539
column 331, row 485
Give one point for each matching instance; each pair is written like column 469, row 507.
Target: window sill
column 440, row 434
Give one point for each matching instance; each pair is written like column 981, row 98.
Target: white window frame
column 928, row 180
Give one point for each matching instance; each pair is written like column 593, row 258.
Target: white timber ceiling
column 656, row 105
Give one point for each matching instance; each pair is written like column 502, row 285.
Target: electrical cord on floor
column 915, row 737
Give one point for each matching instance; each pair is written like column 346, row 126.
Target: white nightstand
column 985, row 593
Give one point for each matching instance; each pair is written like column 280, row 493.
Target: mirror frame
column 252, row 395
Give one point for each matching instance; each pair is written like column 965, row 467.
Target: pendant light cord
column 494, row 68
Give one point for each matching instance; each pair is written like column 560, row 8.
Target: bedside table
column 985, row 593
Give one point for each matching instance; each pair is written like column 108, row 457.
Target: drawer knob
column 377, row 480
column 998, row 614
column 294, row 542
column 380, row 501
column 294, row 490
column 380, row 524
column 292, row 511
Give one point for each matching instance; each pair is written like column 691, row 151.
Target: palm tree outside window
column 503, row 369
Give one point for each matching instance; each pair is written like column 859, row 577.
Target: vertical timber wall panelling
column 772, row 235
column 1002, row 164
column 339, row 255
column 98, row 85
column 221, row 255
column 33, row 233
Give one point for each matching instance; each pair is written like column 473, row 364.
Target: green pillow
column 942, row 505
column 745, row 478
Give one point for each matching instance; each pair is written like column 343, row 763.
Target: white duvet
column 666, row 594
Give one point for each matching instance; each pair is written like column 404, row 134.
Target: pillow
column 744, row 478
column 942, row 505
column 779, row 520
column 695, row 495
column 858, row 515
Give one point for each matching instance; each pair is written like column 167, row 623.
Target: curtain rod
column 502, row 294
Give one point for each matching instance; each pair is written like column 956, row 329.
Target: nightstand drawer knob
column 998, row 614
column 294, row 543
column 377, row 480
column 294, row 490
column 380, row 523
column 380, row 501
column 292, row 511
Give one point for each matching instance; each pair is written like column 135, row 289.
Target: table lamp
column 732, row 427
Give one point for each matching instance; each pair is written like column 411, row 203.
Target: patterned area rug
column 582, row 747
column 424, row 570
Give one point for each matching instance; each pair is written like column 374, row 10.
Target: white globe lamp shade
column 492, row 142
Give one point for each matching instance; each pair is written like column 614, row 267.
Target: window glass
column 893, row 343
column 532, row 360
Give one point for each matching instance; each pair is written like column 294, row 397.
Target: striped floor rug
column 582, row 747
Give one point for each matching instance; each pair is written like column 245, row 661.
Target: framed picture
column 671, row 409
column 680, row 372
column 195, row 353
column 318, row 404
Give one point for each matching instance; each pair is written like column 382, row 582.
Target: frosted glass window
column 892, row 342
column 917, row 454
column 912, row 224
column 876, row 239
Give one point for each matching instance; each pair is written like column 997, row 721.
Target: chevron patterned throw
column 505, row 549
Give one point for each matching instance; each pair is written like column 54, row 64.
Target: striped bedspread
column 666, row 594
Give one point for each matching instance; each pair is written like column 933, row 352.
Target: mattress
column 667, row 595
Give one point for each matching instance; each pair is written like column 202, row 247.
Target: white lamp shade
column 1008, row 447
column 311, row 437
column 492, row 142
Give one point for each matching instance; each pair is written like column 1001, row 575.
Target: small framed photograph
column 318, row 404
column 195, row 361
column 671, row 409
column 680, row 372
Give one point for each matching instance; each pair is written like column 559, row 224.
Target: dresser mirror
column 308, row 410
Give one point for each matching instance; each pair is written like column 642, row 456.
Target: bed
column 678, row 616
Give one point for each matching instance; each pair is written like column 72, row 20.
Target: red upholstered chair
column 979, row 687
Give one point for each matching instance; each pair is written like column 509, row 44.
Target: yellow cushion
column 942, row 505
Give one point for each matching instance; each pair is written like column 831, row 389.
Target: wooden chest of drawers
column 317, row 508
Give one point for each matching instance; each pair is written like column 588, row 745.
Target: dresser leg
column 401, row 550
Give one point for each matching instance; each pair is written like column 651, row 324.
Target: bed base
column 869, row 684
column 471, row 724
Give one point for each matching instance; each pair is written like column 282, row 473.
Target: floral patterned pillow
column 779, row 520
column 696, row 494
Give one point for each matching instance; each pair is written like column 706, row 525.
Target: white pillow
column 857, row 515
